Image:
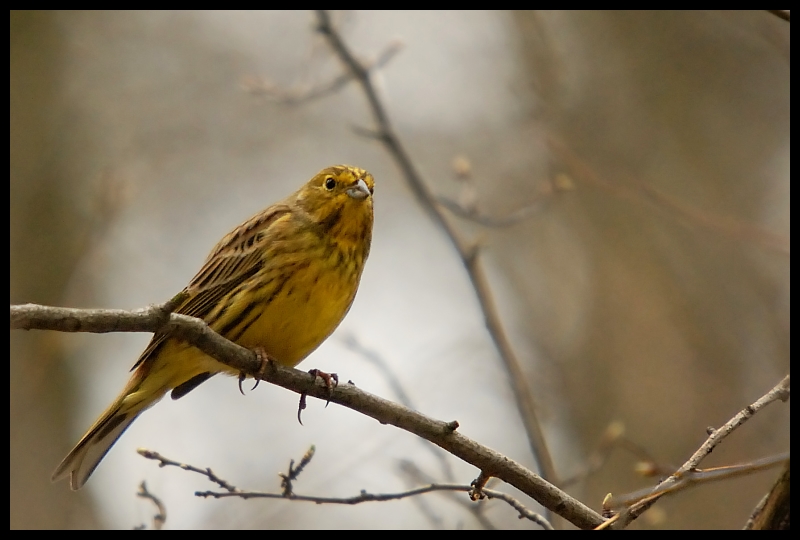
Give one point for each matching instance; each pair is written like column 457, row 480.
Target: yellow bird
column 280, row 282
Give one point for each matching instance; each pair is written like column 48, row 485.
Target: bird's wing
column 236, row 258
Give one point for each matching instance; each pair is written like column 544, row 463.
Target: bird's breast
column 304, row 305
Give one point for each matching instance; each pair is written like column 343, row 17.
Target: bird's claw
column 264, row 360
column 331, row 382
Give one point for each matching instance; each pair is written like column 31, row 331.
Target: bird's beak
column 359, row 190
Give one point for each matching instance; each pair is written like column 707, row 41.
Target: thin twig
column 207, row 472
column 161, row 516
column 197, row 332
column 386, row 134
column 513, row 218
column 294, row 472
column 302, row 96
column 415, row 476
column 380, row 497
column 697, row 477
column 779, row 392
column 362, row 497
column 614, row 437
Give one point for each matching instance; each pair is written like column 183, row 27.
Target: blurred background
column 639, row 165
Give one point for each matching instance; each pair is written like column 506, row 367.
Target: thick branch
column 196, row 332
column 151, row 319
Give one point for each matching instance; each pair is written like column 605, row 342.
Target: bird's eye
column 330, row 183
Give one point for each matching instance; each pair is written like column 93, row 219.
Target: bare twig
column 161, row 517
column 490, row 221
column 415, row 476
column 519, row 507
column 779, row 392
column 362, row 497
column 697, row 477
column 207, row 472
column 198, row 333
column 614, row 437
column 294, row 472
column 386, row 134
column 301, row 96
column 380, row 497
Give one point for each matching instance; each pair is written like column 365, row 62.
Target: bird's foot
column 331, row 382
column 264, row 359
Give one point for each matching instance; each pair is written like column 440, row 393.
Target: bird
column 279, row 283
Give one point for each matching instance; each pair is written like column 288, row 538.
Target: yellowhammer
column 280, row 282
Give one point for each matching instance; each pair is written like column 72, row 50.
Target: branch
column 380, row 497
column 614, row 437
column 197, row 332
column 489, row 221
column 779, row 392
column 773, row 511
column 386, row 135
column 362, row 497
column 784, row 14
column 640, row 193
column 161, row 516
column 696, row 477
column 301, row 96
column 415, row 476
column 155, row 319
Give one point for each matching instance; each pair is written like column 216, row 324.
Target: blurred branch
column 356, row 499
column 614, row 437
column 262, row 86
column 415, row 476
column 780, row 392
column 773, row 512
column 468, row 254
column 489, row 221
column 466, row 205
column 161, row 516
column 781, row 13
column 371, row 356
column 640, row 192
column 294, row 472
column 699, row 476
column 197, row 332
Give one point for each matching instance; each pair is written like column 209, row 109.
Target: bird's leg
column 264, row 359
column 331, row 382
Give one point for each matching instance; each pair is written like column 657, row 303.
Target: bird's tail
column 81, row 462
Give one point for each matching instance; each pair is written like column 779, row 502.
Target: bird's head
column 339, row 200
